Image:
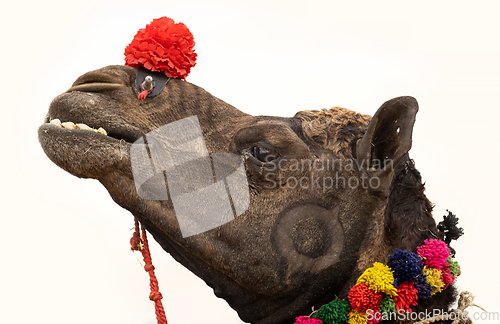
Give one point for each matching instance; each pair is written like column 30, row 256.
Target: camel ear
column 387, row 139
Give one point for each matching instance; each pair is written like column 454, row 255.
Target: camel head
column 328, row 192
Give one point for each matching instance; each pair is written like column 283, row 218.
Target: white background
column 65, row 251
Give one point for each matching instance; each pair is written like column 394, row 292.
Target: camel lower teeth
column 71, row 125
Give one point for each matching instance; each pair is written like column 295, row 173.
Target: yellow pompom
column 355, row 317
column 434, row 279
column 379, row 278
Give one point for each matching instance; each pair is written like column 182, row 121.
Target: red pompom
column 163, row 46
column 407, row 296
column 447, row 277
column 363, row 298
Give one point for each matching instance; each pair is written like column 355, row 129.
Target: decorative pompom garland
column 389, row 289
column 163, row 46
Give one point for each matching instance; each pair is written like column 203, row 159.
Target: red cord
column 143, row 94
column 139, row 242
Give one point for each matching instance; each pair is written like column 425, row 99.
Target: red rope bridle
column 139, row 242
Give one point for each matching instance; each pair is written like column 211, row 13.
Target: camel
column 331, row 192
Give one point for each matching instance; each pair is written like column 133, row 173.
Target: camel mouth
column 82, row 129
column 71, row 125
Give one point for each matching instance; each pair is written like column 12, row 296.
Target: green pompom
column 387, row 305
column 335, row 312
column 453, row 267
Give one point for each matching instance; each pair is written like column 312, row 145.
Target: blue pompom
column 424, row 289
column 406, row 265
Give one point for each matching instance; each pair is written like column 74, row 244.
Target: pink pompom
column 307, row 320
column 434, row 253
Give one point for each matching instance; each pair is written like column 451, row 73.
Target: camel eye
column 262, row 154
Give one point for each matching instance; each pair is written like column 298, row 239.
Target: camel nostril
column 96, row 81
column 95, row 87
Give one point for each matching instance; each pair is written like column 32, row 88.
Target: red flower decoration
column 163, row 46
